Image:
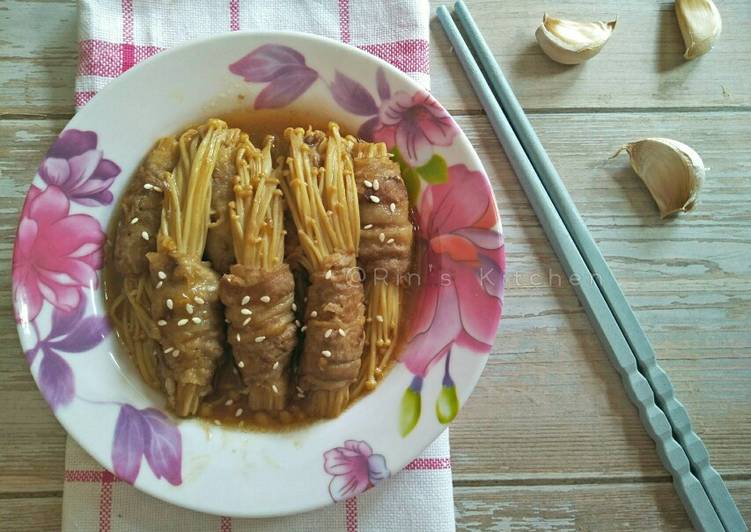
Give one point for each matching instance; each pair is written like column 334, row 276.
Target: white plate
column 92, row 385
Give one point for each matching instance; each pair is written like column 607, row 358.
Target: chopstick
column 645, row 355
column 699, row 508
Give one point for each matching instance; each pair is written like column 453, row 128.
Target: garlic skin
column 700, row 24
column 672, row 171
column 569, row 42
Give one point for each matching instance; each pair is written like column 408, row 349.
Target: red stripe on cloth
column 428, row 464
column 128, row 52
column 344, row 20
column 105, row 502
column 350, row 514
column 107, row 59
column 234, row 15
column 225, row 524
column 410, row 55
column 81, row 98
column 84, row 475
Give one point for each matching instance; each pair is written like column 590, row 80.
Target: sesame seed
column 303, row 328
column 367, row 183
column 294, row 307
column 157, row 189
column 170, row 304
column 228, row 402
column 342, row 332
column 182, row 322
column 159, row 284
column 199, row 300
column 168, row 350
column 273, row 387
column 375, row 199
column 148, row 186
column 134, row 220
column 217, row 422
column 276, row 365
column 175, row 354
column 245, row 323
column 381, row 237
column 299, row 389
column 376, row 186
column 328, row 333
column 367, row 226
column 328, row 274
column 265, row 299
column 314, row 314
column 238, row 412
column 245, row 300
column 189, row 308
column 237, row 337
column 392, row 207
column 260, row 339
column 326, row 353
column 379, row 318
column 145, row 235
column 301, row 395
column 161, row 323
column 297, row 322
column 196, row 320
column 246, row 312
column 241, row 364
column 390, row 241
column 162, row 275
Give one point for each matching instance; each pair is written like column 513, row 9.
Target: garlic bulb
column 570, row 42
column 672, row 171
column 700, row 25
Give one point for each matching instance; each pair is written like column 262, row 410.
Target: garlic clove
column 700, row 25
column 570, row 42
column 672, row 171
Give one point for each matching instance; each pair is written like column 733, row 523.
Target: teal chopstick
column 690, row 490
column 632, row 330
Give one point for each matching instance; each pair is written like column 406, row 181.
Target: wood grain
column 587, row 507
column 548, row 440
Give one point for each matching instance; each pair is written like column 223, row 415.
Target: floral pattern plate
column 88, row 379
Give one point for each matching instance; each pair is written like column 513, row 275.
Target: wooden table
column 549, row 439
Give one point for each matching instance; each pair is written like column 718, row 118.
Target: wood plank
column 549, row 405
column 641, row 67
column 37, row 74
column 35, row 514
column 648, row 506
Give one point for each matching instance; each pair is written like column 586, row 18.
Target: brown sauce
column 226, row 405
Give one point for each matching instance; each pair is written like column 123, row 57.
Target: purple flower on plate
column 415, row 123
column 146, row 433
column 70, row 332
column 79, row 169
column 56, row 254
column 282, row 67
column 355, row 468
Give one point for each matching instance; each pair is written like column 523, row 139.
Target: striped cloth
column 114, row 35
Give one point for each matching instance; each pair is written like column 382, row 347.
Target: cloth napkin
column 114, row 35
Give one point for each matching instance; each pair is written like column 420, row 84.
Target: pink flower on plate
column 56, row 254
column 415, row 124
column 462, row 263
column 355, row 469
column 78, row 168
column 460, row 298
